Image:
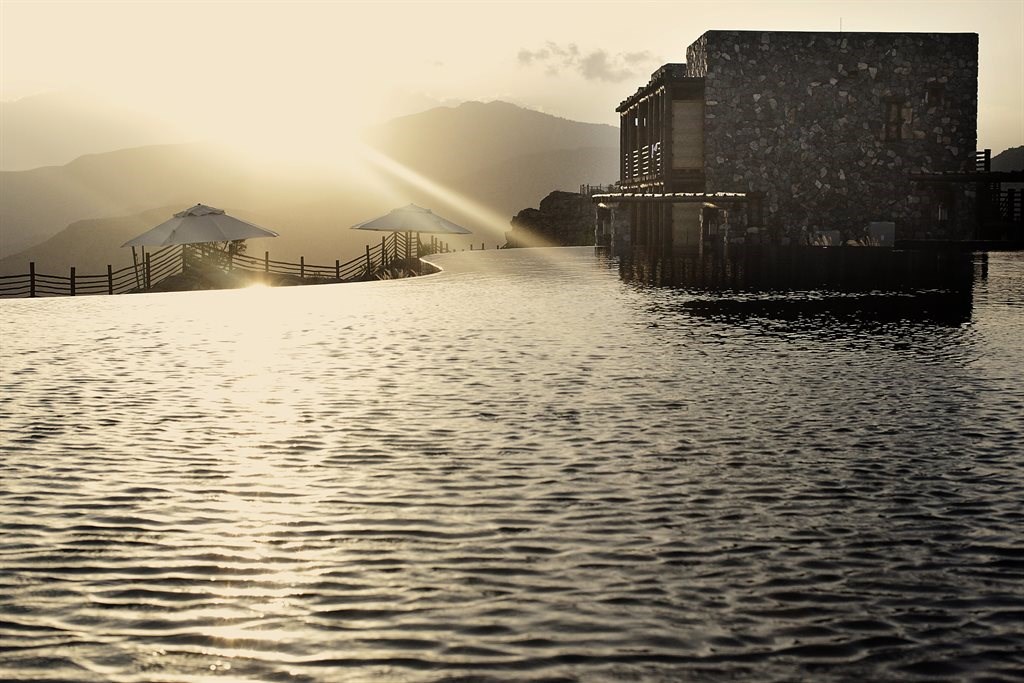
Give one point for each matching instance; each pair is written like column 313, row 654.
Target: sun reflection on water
column 516, row 470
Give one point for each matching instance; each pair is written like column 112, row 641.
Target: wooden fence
column 397, row 255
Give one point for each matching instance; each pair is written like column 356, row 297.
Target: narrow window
column 893, row 121
column 755, row 209
column 934, row 94
column 944, row 203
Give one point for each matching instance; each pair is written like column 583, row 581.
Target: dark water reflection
column 522, row 468
column 950, row 309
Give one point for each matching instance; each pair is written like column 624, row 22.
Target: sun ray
column 483, row 216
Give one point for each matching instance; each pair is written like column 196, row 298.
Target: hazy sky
column 223, row 69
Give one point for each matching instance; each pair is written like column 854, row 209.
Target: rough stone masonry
column 829, row 125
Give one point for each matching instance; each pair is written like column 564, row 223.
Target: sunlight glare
column 482, row 216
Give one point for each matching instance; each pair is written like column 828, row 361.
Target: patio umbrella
column 197, row 225
column 412, row 218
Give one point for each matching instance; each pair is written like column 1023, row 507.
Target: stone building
column 772, row 136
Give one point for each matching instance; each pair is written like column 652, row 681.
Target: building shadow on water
column 950, row 309
column 849, row 287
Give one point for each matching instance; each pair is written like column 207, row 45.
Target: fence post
column 32, row 279
column 383, row 251
column 266, row 262
column 471, row 247
column 337, row 269
column 302, row 267
column 110, row 279
column 149, row 273
column 369, row 266
column 482, row 246
column 72, row 280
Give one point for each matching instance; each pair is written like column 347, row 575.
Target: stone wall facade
column 828, row 126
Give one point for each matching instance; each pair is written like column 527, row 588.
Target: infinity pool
column 520, row 468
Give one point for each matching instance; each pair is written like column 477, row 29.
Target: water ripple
column 521, row 468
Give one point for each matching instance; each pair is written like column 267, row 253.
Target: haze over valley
column 307, row 118
column 477, row 162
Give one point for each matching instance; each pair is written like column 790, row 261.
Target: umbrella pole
column 135, row 265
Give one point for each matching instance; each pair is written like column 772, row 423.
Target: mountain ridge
column 435, row 139
column 41, row 204
column 1011, row 159
column 54, row 128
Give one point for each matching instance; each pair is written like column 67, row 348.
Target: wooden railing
column 140, row 277
column 983, row 160
column 1012, row 204
column 396, row 255
column 588, row 190
column 1009, row 206
column 643, row 162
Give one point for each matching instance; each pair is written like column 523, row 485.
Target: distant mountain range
column 496, row 154
column 450, row 143
column 1009, row 160
column 39, row 203
column 52, row 129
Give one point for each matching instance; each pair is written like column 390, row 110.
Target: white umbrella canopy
column 197, row 225
column 412, row 218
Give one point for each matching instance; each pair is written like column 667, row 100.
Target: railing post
column 149, row 273
column 383, row 251
column 337, row 269
column 110, row 279
column 32, row 279
column 471, row 246
column 72, row 280
column 302, row 267
column 266, row 262
column 369, row 266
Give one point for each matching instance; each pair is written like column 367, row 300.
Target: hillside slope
column 452, row 142
column 39, row 203
column 55, row 128
column 508, row 158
